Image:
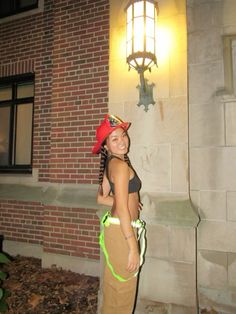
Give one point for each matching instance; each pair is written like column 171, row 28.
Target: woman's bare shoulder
column 118, row 163
column 118, row 166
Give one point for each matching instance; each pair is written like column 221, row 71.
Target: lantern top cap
column 155, row 2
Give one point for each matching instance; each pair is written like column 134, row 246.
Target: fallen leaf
column 35, row 300
column 48, row 290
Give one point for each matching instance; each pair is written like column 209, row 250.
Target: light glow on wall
column 164, row 44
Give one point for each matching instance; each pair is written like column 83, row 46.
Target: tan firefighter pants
column 118, row 297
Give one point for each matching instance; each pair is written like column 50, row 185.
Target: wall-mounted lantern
column 141, row 44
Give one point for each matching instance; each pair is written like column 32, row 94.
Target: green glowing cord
column 106, row 223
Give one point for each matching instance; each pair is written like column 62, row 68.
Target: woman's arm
column 103, row 194
column 120, row 175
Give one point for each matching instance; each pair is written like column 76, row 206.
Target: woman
column 119, row 188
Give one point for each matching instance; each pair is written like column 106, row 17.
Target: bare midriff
column 133, row 206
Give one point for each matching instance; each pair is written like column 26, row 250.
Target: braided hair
column 103, row 160
column 126, row 159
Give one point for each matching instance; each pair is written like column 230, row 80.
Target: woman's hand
column 103, row 194
column 133, row 261
column 105, row 186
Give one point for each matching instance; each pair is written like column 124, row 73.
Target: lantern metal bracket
column 145, row 92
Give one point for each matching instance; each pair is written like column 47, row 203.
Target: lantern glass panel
column 129, row 31
column 129, row 14
column 150, row 46
column 129, row 48
column 139, row 34
column 138, row 44
column 138, row 8
column 150, row 27
column 139, row 61
column 150, row 9
column 147, row 61
column 133, row 63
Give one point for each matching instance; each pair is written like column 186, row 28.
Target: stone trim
column 76, row 264
column 14, row 248
column 64, row 195
column 72, row 263
column 173, row 210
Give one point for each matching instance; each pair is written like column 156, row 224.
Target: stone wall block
column 232, row 270
column 213, row 168
column 213, row 205
column 217, row 236
column 157, row 241
column 182, row 244
column 179, row 168
column 231, row 205
column 165, row 122
column 168, row 282
column 207, row 125
column 221, row 300
column 212, row 269
column 230, row 117
column 201, row 11
column 206, row 79
column 202, row 42
column 153, row 163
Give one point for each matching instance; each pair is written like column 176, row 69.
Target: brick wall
column 80, row 87
column 67, row 47
column 26, row 46
column 21, row 221
column 71, row 231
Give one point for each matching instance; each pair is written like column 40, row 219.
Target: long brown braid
column 126, row 158
column 103, row 160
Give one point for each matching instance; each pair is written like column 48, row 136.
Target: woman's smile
column 117, row 142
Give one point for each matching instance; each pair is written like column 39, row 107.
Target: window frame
column 16, row 9
column 228, row 63
column 13, row 81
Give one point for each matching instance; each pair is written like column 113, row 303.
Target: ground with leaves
column 48, row 291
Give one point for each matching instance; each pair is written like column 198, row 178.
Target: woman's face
column 117, row 143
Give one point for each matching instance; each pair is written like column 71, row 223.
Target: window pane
column 4, row 135
column 234, row 63
column 24, row 134
column 27, row 3
column 25, row 90
column 5, row 7
column 5, row 93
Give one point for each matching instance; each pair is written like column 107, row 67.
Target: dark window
column 11, row 7
column 16, row 123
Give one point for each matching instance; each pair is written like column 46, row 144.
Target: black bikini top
column 134, row 183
